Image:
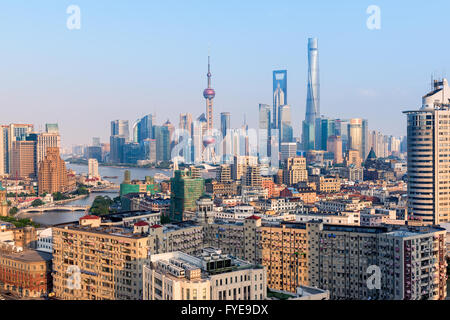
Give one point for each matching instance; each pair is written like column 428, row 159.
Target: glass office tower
column 279, row 95
column 313, row 95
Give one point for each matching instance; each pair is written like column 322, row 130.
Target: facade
column 326, row 184
column 26, row 273
column 3, row 202
column 143, row 128
column 53, row 175
column 264, row 129
column 334, row 145
column 240, row 165
column 287, row 150
column 428, row 152
column 210, row 276
column 45, row 140
column 252, row 177
column 286, row 133
column 120, row 128
column 355, row 135
column 294, row 170
column 163, row 143
column 224, row 173
column 116, row 149
column 241, row 239
column 209, row 95
column 185, row 191
column 23, row 159
column 313, row 96
column 339, row 258
column 93, row 168
column 109, row 259
column 279, row 96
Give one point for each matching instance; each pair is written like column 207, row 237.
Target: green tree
column 37, row 203
column 101, row 205
column 165, row 219
column 13, row 211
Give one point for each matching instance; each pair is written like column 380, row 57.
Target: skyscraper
column 23, row 159
column 116, row 149
column 264, row 126
column 313, row 95
column 45, row 140
column 162, row 137
column 224, row 123
column 209, row 95
column 185, row 191
column 225, row 126
column 120, row 128
column 14, row 132
column 334, row 145
column 186, row 122
column 279, row 95
column 341, row 129
column 93, row 168
column 143, row 128
column 285, row 124
column 327, row 129
column 355, row 134
column 428, row 139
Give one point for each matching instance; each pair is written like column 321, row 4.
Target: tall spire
column 209, row 73
column 209, row 95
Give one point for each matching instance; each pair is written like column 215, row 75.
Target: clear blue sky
column 131, row 58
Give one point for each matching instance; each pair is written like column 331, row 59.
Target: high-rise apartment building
column 294, row 170
column 23, row 159
column 252, row 177
column 240, row 165
column 93, row 168
column 210, row 276
column 11, row 133
column 224, row 173
column 185, row 191
column 44, row 141
column 429, row 155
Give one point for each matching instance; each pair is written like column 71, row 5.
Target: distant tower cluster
column 209, row 95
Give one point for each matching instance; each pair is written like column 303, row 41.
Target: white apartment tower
column 93, row 168
column 428, row 147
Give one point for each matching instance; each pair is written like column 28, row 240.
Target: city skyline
column 84, row 77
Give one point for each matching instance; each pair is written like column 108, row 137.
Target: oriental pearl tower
column 209, row 95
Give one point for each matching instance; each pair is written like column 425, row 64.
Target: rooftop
column 28, row 256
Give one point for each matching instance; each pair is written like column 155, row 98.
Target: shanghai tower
column 313, row 96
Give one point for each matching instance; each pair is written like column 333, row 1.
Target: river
column 50, row 218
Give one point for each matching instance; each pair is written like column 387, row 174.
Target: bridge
column 53, row 208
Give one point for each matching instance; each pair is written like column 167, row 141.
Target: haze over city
column 151, row 57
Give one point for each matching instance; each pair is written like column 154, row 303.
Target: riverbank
column 81, row 196
column 120, row 166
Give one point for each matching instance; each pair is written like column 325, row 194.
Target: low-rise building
column 209, row 276
column 26, row 273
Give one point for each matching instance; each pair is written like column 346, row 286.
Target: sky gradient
column 131, row 58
